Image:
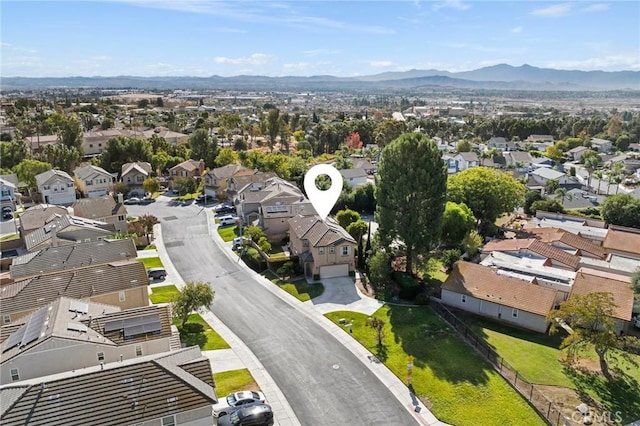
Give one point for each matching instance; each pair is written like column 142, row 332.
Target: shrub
column 449, row 257
column 422, row 299
column 409, row 286
column 253, row 259
column 264, row 245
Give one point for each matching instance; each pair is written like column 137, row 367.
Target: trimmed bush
column 409, row 287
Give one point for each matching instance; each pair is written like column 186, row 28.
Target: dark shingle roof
column 98, row 207
column 319, row 233
column 37, row 216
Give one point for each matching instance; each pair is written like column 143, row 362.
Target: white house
column 466, row 160
column 56, row 187
column 354, row 177
column 94, row 181
column 601, row 145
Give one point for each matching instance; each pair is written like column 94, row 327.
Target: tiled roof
column 188, row 165
column 469, row 156
column 628, row 242
column 80, row 283
column 44, row 177
column 72, row 256
column 133, row 391
column 242, row 181
column 88, row 171
column 536, row 246
column 592, row 281
column 36, row 216
column 484, row 283
column 58, row 224
column 98, row 207
column 141, row 166
column 227, row 171
column 319, row 233
column 353, row 173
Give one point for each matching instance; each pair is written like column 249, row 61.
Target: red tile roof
column 592, row 281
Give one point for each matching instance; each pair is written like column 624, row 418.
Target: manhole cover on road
column 170, row 218
column 335, row 366
column 174, row 244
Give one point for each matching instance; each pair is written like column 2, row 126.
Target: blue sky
column 303, row 37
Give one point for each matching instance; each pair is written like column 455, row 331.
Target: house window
column 169, row 421
column 15, row 375
column 62, row 188
column 128, row 179
column 121, row 296
column 345, row 250
column 88, row 182
column 90, row 145
column 514, row 313
column 47, row 187
column 6, row 319
column 305, row 243
column 332, row 250
column 140, row 179
column 100, row 356
column 138, row 350
column 121, row 217
column 69, row 185
column 463, row 298
column 87, row 240
column 321, row 250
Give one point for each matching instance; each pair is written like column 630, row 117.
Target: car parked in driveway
column 132, row 200
column 237, row 399
column 254, row 415
column 156, row 273
column 7, row 213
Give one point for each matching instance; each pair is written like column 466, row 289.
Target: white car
column 236, row 400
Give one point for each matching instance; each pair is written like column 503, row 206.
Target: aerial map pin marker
column 323, row 201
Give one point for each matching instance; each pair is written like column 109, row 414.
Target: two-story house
column 323, row 247
column 466, row 160
column 134, row 174
column 56, row 187
column 93, row 181
column 65, row 229
column 215, row 181
column 269, row 204
column 103, row 209
column 354, row 177
column 601, row 145
column 7, row 194
column 188, row 168
column 174, row 138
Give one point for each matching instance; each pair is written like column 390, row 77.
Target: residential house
column 37, row 216
column 323, row 247
column 69, row 257
column 592, row 229
column 538, row 179
column 56, row 187
column 533, row 139
column 517, row 159
column 215, row 181
column 174, row 138
column 188, row 168
column 354, row 177
column 575, row 154
column 591, row 281
column 37, row 143
column 134, row 175
column 480, row 290
column 601, row 145
column 538, row 162
column 467, row 160
column 270, row 204
column 569, row 242
column 495, row 162
column 533, row 248
column 7, row 194
column 71, row 334
column 123, row 283
column 94, row 143
column 364, row 164
column 93, row 181
column 236, row 183
column 501, row 144
column 172, row 388
column 66, row 229
column 103, row 209
column 623, row 241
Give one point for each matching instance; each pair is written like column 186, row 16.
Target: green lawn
column 10, row 237
column 299, row 289
column 537, row 358
column 198, row 333
column 151, row 262
column 150, row 247
column 228, row 233
column 457, row 385
column 164, row 294
column 233, row 381
column 278, row 256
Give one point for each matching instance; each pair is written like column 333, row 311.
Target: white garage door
column 334, row 271
column 97, row 193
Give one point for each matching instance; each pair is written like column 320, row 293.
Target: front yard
column 151, row 262
column 197, row 332
column 228, row 233
column 164, row 294
column 233, row 381
column 452, row 380
column 300, row 288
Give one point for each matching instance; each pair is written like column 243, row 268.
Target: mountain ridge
column 500, row 77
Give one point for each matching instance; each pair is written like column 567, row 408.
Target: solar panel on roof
column 141, row 320
column 14, row 339
column 114, row 325
column 74, row 326
column 34, row 327
column 79, row 307
column 142, row 329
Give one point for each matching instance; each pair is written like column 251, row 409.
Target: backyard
column 452, row 380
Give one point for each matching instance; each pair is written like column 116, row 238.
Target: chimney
column 120, row 198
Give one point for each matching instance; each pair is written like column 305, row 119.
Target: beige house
column 103, row 209
column 37, row 216
column 622, row 242
column 174, row 138
column 93, row 143
column 215, row 181
column 188, row 168
column 482, row 291
column 65, row 229
column 324, row 248
column 123, row 284
column 71, row 334
column 93, row 181
column 171, row 388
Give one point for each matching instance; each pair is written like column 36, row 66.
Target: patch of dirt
column 365, row 288
column 566, row 399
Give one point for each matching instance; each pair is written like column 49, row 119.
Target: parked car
column 7, row 213
column 132, row 200
column 254, row 415
column 239, row 242
column 228, row 220
column 156, row 273
column 237, row 399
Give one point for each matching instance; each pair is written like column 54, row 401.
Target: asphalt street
column 323, row 381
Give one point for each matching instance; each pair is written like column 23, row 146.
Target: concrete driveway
column 341, row 294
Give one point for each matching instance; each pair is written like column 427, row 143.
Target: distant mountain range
column 497, row 77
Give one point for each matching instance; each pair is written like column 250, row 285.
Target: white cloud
column 253, row 59
column 553, row 11
column 4, row 45
column 320, row 52
column 300, row 66
column 597, row 7
column 451, row 4
column 611, row 62
column 516, row 30
column 381, row 64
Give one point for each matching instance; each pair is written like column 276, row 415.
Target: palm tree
column 591, row 164
column 561, row 193
column 551, row 186
column 598, row 175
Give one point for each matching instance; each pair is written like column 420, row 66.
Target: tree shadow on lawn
column 621, row 394
column 192, row 334
column 434, row 345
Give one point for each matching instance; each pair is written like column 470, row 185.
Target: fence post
column 531, row 393
column 501, row 361
column 549, row 410
column 515, row 381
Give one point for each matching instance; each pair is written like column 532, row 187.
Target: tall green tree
column 61, row 156
column 347, row 217
column 410, row 193
column 193, row 296
column 273, row 126
column 226, row 156
column 28, row 169
column 121, row 150
column 622, row 209
column 12, row 153
column 203, row 147
column 487, row 192
column 457, row 221
column 387, row 131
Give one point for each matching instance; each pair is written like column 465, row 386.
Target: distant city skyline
column 305, row 37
